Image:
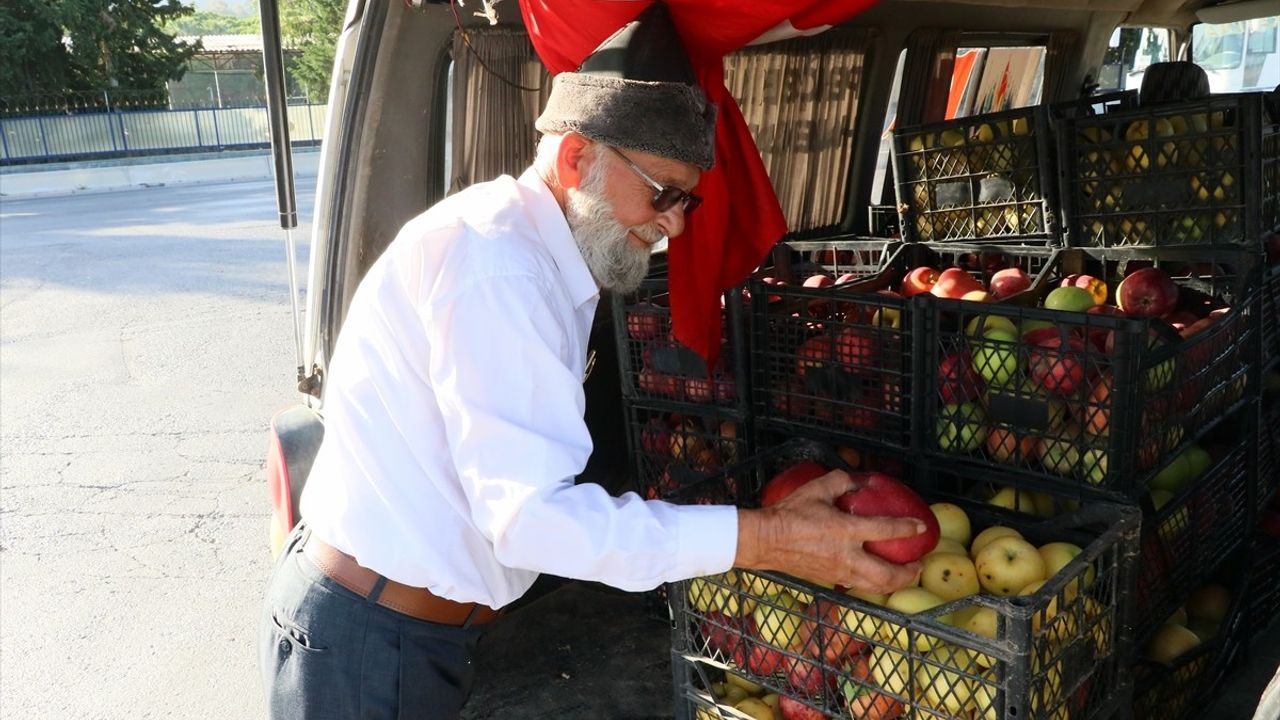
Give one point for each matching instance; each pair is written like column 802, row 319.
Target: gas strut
column 282, row 157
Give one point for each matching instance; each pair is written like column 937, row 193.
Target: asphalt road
column 145, row 341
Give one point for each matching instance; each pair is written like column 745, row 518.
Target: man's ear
column 572, row 159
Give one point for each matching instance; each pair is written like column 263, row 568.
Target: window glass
column 1238, row 56
column 992, row 79
column 880, row 191
column 1130, row 52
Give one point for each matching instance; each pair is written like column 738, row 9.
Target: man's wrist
column 755, row 528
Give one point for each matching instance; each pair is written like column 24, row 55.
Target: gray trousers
column 327, row 653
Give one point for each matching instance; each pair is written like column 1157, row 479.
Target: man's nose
column 671, row 220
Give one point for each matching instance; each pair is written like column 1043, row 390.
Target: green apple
column 1174, row 476
column 1199, row 460
column 949, row 576
column 718, row 593
column 1069, row 299
column 1008, row 564
column 1059, row 455
column 1209, row 605
column 891, row 670
column 986, row 536
column 983, row 324
column 953, row 521
column 754, row 708
column 1031, row 324
column 1094, row 464
column 1175, row 524
column 962, row 427
column 995, row 357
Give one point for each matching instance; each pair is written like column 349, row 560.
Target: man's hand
column 805, row 535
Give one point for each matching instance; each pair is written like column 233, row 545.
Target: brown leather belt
column 415, row 602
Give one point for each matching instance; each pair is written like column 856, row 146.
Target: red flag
column 718, row 248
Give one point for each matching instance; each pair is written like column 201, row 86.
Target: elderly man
column 454, row 415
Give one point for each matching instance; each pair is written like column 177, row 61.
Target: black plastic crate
column 676, row 446
column 656, row 366
column 1184, row 687
column 1264, row 596
column 984, row 177
column 1269, row 450
column 838, row 360
column 1045, row 401
column 1055, row 652
column 1186, row 540
column 1270, row 315
column 1187, row 173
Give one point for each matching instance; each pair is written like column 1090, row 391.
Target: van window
column 1238, row 56
column 800, row 100
column 1130, row 52
column 992, row 79
column 881, row 188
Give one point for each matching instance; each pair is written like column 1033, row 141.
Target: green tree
column 36, row 59
column 57, row 46
column 312, row 27
column 208, row 23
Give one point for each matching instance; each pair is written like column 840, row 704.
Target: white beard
column 603, row 241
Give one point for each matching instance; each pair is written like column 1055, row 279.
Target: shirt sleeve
column 513, row 411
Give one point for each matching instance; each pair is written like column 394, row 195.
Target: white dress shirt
column 454, row 417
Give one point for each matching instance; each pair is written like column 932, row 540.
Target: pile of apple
column 782, row 634
column 669, row 369
column 1196, row 622
column 1066, row 367
column 681, row 450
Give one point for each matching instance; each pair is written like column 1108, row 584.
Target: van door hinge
column 311, row 384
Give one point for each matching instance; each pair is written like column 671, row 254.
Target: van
column 429, row 97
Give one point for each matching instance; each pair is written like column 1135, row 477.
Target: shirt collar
column 553, row 228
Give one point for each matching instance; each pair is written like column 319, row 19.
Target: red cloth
column 718, row 248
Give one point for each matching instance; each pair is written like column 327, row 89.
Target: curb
column 97, row 177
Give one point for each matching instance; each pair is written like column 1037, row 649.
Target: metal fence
column 117, row 133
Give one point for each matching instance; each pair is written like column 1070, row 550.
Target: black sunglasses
column 666, row 196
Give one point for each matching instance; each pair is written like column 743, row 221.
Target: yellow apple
column 1170, row 642
column 754, row 708
column 1179, row 616
column 1092, row 616
column 772, row 700
column 777, row 619
column 732, row 695
column 718, row 593
column 1014, row 499
column 862, row 625
column 910, row 601
column 947, row 545
column 1045, row 504
column 758, row 585
column 948, row 685
column 890, row 669
column 745, row 684
column 953, row 521
column 986, row 536
column 1058, row 555
column 949, row 576
column 1008, row 564
column 1209, row 605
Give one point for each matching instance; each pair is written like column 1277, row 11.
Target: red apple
column 1269, row 522
column 814, row 353
column 644, row 321
column 1180, row 317
column 1271, row 241
column 824, row 633
column 786, row 482
column 1096, row 287
column 764, row 660
column 1009, row 281
column 804, row 675
column 879, row 495
column 920, row 280
column 699, row 390
column 795, row 710
column 857, row 346
column 1148, row 292
column 1057, row 367
column 955, row 283
column 724, row 633
column 957, row 380
column 818, row 281
column 847, row 278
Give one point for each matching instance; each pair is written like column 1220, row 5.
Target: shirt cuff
column 706, row 540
